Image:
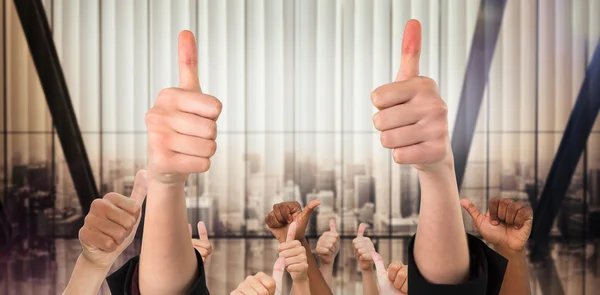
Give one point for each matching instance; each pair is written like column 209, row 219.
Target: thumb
column 140, row 187
column 278, row 275
column 190, row 230
column 472, row 210
column 187, row 55
column 382, row 278
column 332, row 225
column 361, row 231
column 411, row 51
column 310, row 207
column 202, row 232
column 291, row 234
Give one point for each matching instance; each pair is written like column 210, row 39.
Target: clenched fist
column 328, row 245
column 412, row 116
column 394, row 280
column 261, row 283
column 285, row 213
column 507, row 223
column 202, row 245
column 295, row 255
column 182, row 124
column 363, row 247
column 111, row 224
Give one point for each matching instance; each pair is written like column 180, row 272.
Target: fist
column 182, row 124
column 363, row 247
column 412, row 117
column 392, row 281
column 507, row 223
column 285, row 213
column 261, row 283
column 328, row 244
column 295, row 255
column 111, row 224
column 202, row 245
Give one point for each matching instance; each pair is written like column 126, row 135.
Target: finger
column 411, row 51
column 199, row 104
column 192, row 146
column 413, row 154
column 379, row 266
column 502, row 208
column 188, row 62
column 190, row 230
column 400, row 279
column 97, row 239
column 403, row 136
column 266, row 281
column 277, row 212
column 396, row 116
column 332, row 225
column 140, row 187
column 285, row 213
column 310, row 207
column 361, row 230
column 202, row 232
column 107, row 227
column 126, row 204
column 193, row 125
column 473, row 212
column 511, row 212
column 493, row 207
column 291, row 234
column 257, row 286
column 524, row 217
column 390, row 95
column 393, row 270
column 278, row 275
column 105, row 209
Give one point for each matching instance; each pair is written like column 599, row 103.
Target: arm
column 318, row 285
column 181, row 140
column 327, row 273
column 87, row 278
column 516, row 278
column 327, row 248
column 369, row 283
column 363, row 249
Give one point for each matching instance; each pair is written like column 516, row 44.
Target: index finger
column 188, row 62
column 411, row 51
column 291, row 234
column 202, row 232
column 278, row 275
column 361, row 230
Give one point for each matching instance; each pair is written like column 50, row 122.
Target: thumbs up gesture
column 202, row 245
column 285, row 213
column 295, row 255
column 110, row 226
column 328, row 245
column 263, row 284
column 394, row 280
column 412, row 117
column 182, row 124
column 363, row 247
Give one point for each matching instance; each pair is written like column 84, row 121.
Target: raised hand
column 506, row 224
column 328, row 245
column 391, row 281
column 285, row 213
column 182, row 124
column 202, row 245
column 295, row 255
column 261, row 283
column 412, row 116
column 363, row 248
column 111, row 224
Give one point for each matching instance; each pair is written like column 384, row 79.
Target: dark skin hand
column 278, row 220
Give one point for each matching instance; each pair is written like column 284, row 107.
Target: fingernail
column 495, row 222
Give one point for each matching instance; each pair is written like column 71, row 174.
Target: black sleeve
column 125, row 280
column 487, row 273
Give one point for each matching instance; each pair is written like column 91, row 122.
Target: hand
column 295, row 255
column 328, row 245
column 182, row 124
column 202, row 245
column 263, row 284
column 412, row 117
column 285, row 213
column 506, row 224
column 111, row 224
column 363, row 247
column 391, row 281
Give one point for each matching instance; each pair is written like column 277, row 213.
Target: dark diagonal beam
column 569, row 152
column 39, row 37
column 487, row 29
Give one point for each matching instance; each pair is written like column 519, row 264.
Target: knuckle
column 109, row 244
column 153, row 118
column 165, row 94
column 212, row 147
column 204, row 165
column 378, row 121
column 218, row 106
column 211, row 129
column 130, row 222
column 376, row 97
column 385, row 139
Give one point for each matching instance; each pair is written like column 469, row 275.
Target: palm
column 503, row 235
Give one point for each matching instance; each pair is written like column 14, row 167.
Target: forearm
column 167, row 261
column 85, row 279
column 318, row 285
column 327, row 272
column 369, row 283
column 516, row 277
column 300, row 288
column 441, row 250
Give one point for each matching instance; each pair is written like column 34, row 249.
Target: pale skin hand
column 413, row 122
column 203, row 244
column 263, row 284
column 507, row 225
column 295, row 261
column 363, row 248
column 327, row 248
column 108, row 229
column 181, row 140
column 391, row 281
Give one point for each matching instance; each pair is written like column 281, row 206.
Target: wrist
column 367, row 271
column 507, row 252
column 167, row 180
column 87, row 263
column 326, row 266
